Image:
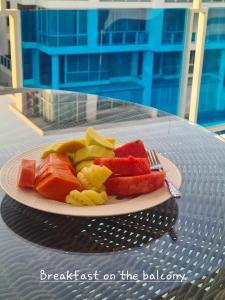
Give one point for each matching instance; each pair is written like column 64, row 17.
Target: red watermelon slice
column 135, row 148
column 126, row 166
column 135, row 185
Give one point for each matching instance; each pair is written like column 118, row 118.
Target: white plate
column 8, row 180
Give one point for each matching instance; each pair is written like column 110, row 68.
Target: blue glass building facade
column 212, row 93
column 131, row 54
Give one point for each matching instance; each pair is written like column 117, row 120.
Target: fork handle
column 175, row 193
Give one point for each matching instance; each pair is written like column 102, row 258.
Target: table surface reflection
column 183, row 236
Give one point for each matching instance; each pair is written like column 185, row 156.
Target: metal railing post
column 185, row 64
column 198, row 63
column 16, row 48
column 2, row 5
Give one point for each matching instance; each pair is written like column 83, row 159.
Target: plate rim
column 86, row 214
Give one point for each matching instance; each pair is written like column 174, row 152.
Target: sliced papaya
column 26, row 175
column 52, row 169
column 56, row 159
column 57, row 186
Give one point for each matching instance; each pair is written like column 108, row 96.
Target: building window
column 45, row 69
column 140, row 63
column 98, row 67
column 174, row 20
column 122, row 20
column 215, row 25
column 173, row 26
column 29, row 29
column 191, row 62
column 122, row 27
column 93, row 67
column 8, row 4
column 211, row 63
column 27, row 64
column 62, row 28
column 167, row 64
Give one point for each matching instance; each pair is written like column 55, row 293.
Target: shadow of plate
column 90, row 235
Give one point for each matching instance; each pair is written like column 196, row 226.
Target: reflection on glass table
column 50, row 110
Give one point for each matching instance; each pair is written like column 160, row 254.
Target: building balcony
column 122, row 38
column 172, row 37
column 215, row 38
column 54, row 40
column 88, row 76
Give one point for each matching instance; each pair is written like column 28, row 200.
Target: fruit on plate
column 135, row 148
column 93, row 177
column 50, row 170
column 126, row 166
column 135, row 185
column 91, row 152
column 66, row 147
column 95, row 138
column 71, row 145
column 86, row 198
column 83, row 164
column 84, row 171
column 26, row 175
column 58, row 185
column 49, row 149
column 112, row 141
column 55, row 178
column 55, row 159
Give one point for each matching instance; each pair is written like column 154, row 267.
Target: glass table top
column 176, row 249
column 53, row 110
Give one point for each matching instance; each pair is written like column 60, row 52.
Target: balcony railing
column 5, row 61
column 170, row 71
column 215, row 38
column 122, row 38
column 62, row 40
column 87, row 76
column 172, row 37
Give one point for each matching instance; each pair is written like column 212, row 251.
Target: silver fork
column 157, row 166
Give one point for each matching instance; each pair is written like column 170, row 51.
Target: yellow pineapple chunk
column 93, row 177
column 83, row 164
column 95, row 138
column 86, row 198
column 90, row 153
